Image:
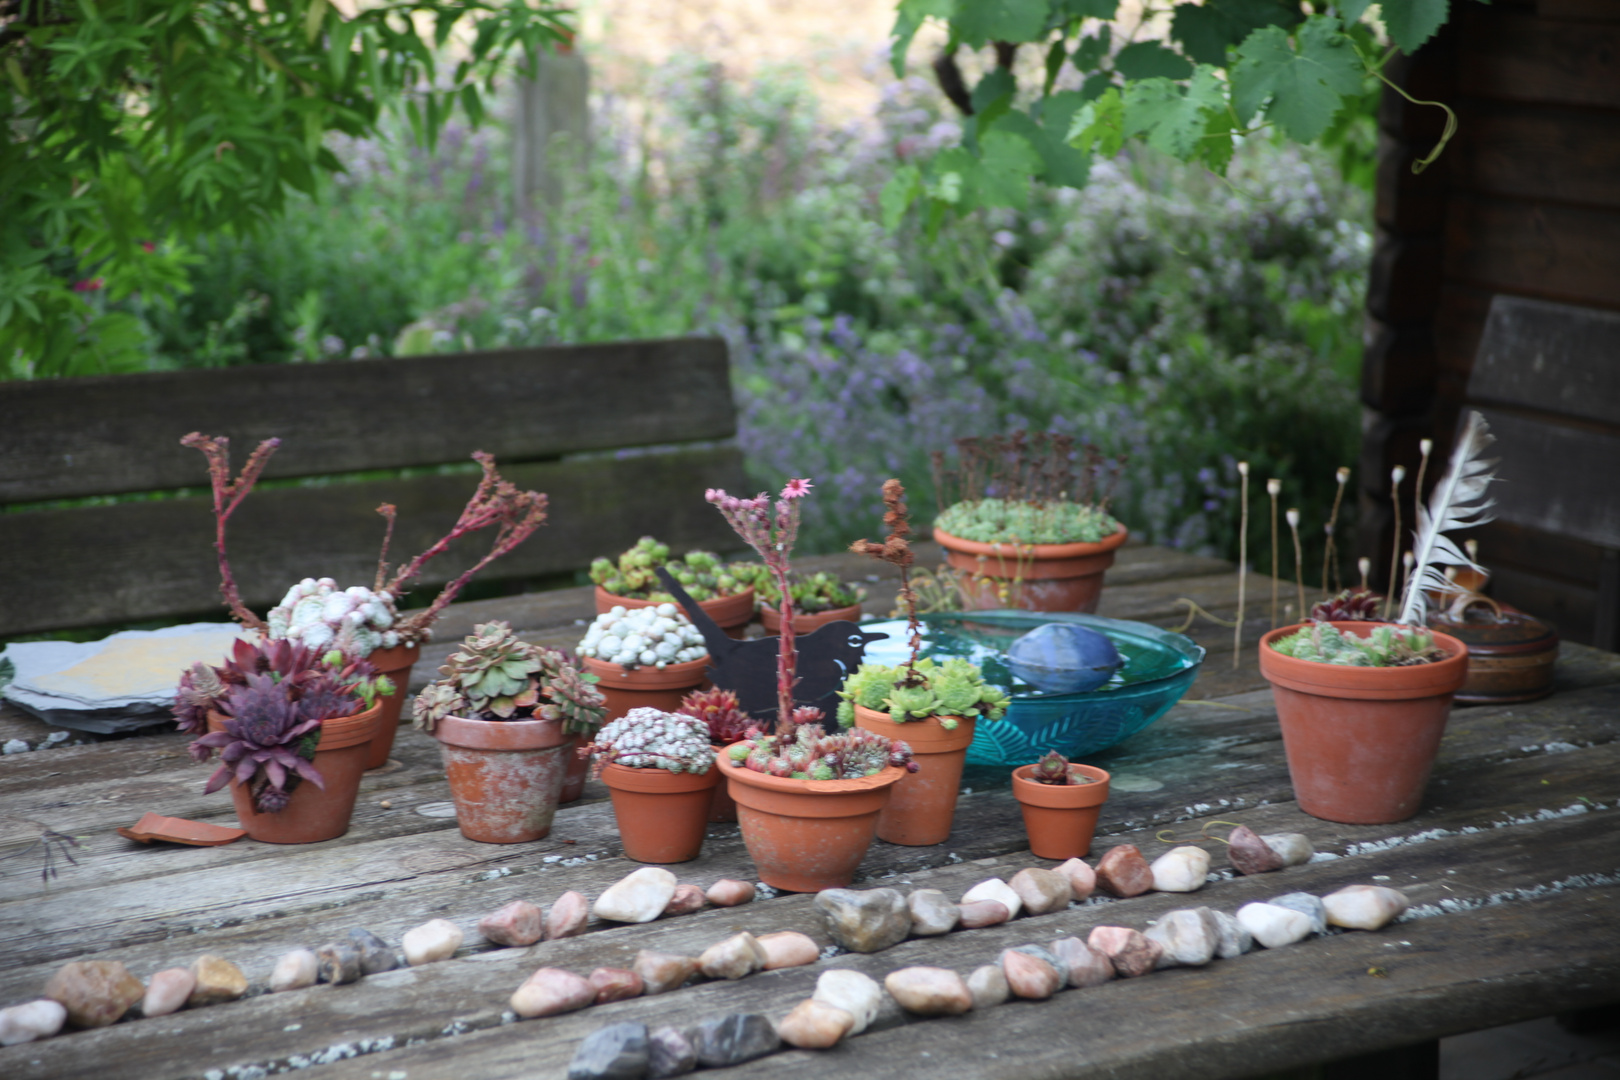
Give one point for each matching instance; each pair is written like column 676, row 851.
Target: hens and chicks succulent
column 495, row 676
column 1384, row 646
column 1004, row 521
column 700, row 573
column 813, row 593
column 948, row 690
column 317, row 613
column 809, row 753
column 648, row 738
column 647, row 636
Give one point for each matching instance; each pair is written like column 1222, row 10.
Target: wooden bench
column 624, row 437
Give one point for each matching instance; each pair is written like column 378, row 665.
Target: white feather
column 1459, row 502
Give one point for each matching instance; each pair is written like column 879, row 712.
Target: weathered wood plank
column 1517, row 56
column 1556, row 358
column 1538, row 152
column 1565, row 253
column 137, row 560
column 1555, row 478
column 108, row 434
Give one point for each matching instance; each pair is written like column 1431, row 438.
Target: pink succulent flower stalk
column 772, row 532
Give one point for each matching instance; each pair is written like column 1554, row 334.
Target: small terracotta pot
column 662, row 815
column 396, row 663
column 731, row 613
column 313, row 814
column 1360, row 740
column 722, row 807
column 807, row 835
column 806, row 624
column 573, row 786
column 632, row 688
column 920, row 810
column 505, row 775
column 1060, row 821
column 1034, row 577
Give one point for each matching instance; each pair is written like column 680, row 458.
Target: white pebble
column 998, row 890
column 1181, row 869
column 435, row 939
column 294, row 971
column 1364, row 907
column 1274, row 926
column 35, row 1020
column 857, row 994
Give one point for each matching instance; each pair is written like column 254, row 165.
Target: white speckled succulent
column 648, row 738
column 643, row 637
column 320, row 615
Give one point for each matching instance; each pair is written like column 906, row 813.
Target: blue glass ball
column 1062, row 658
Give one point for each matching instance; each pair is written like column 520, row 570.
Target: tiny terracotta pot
column 573, row 787
column 646, row 686
column 1361, row 740
column 1060, row 821
column 806, row 624
column 312, row 813
column 396, row 663
column 731, row 613
column 920, row 810
column 807, row 835
column 505, row 775
column 1033, row 577
column 662, row 815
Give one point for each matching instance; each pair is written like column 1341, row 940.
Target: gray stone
column 1041, row 891
column 1189, row 937
column 1305, row 902
column 1294, row 848
column 338, row 963
column 670, row 1052
column 932, row 912
column 734, row 1039
column 376, row 955
column 989, row 987
column 616, row 1052
column 865, row 921
column 1087, row 966
column 1234, row 940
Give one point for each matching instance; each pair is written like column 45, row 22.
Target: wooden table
column 1513, row 868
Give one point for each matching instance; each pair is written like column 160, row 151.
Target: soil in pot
column 396, row 663
column 806, row 624
column 920, row 809
column 312, row 813
column 732, row 613
column 662, row 815
column 1033, row 577
column 1060, row 820
column 505, row 775
column 632, row 688
column 1361, row 741
column 807, row 835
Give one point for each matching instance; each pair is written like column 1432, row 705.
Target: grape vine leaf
column 1084, row 9
column 1412, row 22
column 1351, row 11
column 1205, row 30
column 978, row 21
column 908, row 19
column 897, row 195
column 1099, row 125
column 1304, row 84
column 1045, row 127
column 1150, row 60
column 1005, row 170
column 1092, row 48
column 1172, row 119
column 1215, row 149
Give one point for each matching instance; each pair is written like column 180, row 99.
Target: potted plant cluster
column 722, row 715
column 818, row 599
column 1024, row 527
column 1061, row 803
column 934, row 707
column 507, row 714
column 291, row 726
column 645, row 657
column 365, row 622
column 1362, row 704
column 660, row 767
column 725, row 592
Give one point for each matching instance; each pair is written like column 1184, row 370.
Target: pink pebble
column 550, row 991
column 977, row 913
column 687, row 899
column 788, row 948
column 568, row 916
column 1082, row 878
column 615, row 984
column 518, row 923
column 728, row 892
column 167, row 991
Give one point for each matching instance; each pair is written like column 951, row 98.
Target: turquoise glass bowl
column 1159, row 668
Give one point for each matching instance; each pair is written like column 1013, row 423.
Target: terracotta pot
column 919, row 811
column 396, row 663
column 1034, row 577
column 632, row 688
column 573, row 786
column 1360, row 740
column 806, row 624
column 731, row 613
column 807, row 835
column 662, row 815
column 1060, row 821
column 505, row 775
column 313, row 813
column 722, row 807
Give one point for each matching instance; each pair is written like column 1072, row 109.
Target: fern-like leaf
column 1459, row 502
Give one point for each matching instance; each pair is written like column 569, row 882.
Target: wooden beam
column 1539, row 152
column 1518, row 56
column 1555, row 358
column 1558, row 253
column 1555, row 478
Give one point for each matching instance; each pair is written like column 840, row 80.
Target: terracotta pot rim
column 855, row 607
column 475, row 734
column 1067, row 797
column 337, row 732
column 720, row 608
column 924, row 736
column 686, row 673
column 394, row 658
column 654, row 780
column 787, row 785
column 1364, row 683
column 1006, row 549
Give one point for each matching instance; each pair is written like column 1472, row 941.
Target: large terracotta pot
column 1361, row 741
column 806, row 624
column 807, row 835
column 1060, row 821
column 731, row 613
column 505, row 775
column 646, row 686
column 313, row 813
column 1034, row 577
column 573, row 787
column 920, row 810
column 662, row 815
column 396, row 663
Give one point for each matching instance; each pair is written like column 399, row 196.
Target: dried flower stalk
column 896, row 551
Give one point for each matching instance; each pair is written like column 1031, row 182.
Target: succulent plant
column 202, row 687
column 319, row 614
column 1348, row 606
column 646, row 636
column 950, row 690
column 1024, row 488
column 700, row 573
column 1054, row 768
column 991, row 521
column 809, row 753
column 647, row 738
column 722, row 713
column 812, row 593
column 496, row 676
column 1385, row 646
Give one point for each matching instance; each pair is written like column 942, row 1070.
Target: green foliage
column 700, row 573
column 813, row 593
column 1384, row 646
column 133, row 128
column 993, row 521
column 950, row 690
